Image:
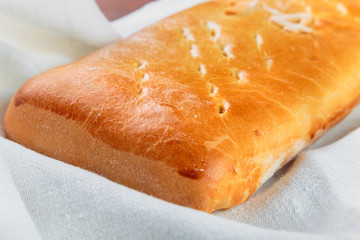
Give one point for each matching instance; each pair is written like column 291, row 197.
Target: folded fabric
column 15, row 222
column 79, row 20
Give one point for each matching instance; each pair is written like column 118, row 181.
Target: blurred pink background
column 113, row 9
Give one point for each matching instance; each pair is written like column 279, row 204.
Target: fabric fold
column 15, row 222
column 79, row 20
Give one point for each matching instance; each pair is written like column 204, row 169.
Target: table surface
column 113, row 9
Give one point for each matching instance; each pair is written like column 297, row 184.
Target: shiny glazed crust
column 203, row 107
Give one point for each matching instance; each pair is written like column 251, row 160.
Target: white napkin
column 15, row 222
column 316, row 197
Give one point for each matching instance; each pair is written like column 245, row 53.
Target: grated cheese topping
column 342, row 9
column 293, row 22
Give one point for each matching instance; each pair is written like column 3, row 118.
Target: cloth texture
column 317, row 196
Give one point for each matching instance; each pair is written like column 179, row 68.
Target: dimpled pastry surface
column 201, row 108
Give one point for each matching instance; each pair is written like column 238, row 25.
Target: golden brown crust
column 200, row 108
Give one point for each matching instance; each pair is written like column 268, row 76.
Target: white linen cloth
column 316, row 197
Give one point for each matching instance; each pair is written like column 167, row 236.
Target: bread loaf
column 201, row 108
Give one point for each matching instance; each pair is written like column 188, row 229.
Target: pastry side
column 201, row 108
